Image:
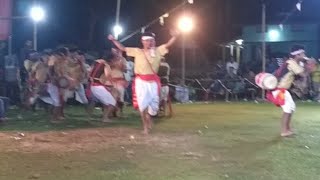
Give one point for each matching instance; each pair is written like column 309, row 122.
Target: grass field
column 201, row 142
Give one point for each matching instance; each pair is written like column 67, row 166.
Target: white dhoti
column 101, row 94
column 67, row 94
column 54, row 96
column 289, row 105
column 164, row 93
column 147, row 96
column 81, row 95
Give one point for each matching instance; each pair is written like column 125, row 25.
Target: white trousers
column 101, row 94
column 147, row 96
column 289, row 105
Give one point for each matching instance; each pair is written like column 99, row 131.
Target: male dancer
column 118, row 68
column 100, row 87
column 164, row 73
column 57, row 69
column 78, row 72
column 147, row 83
column 281, row 96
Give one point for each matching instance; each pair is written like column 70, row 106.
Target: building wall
column 307, row 35
column 250, row 51
column 307, row 32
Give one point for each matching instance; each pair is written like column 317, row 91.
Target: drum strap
column 94, row 72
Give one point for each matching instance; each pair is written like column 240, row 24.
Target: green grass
column 237, row 141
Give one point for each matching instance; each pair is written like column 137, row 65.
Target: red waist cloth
column 149, row 77
column 120, row 81
column 279, row 100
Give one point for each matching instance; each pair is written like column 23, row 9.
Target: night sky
column 218, row 21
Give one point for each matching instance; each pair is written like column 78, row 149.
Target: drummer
column 101, row 87
column 281, row 96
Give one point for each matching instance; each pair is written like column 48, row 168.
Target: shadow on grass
column 76, row 118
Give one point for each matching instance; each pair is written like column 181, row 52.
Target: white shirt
column 234, row 65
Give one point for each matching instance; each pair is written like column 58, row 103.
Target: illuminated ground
column 216, row 141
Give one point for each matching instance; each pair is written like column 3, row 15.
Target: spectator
column 272, row 65
column 316, row 83
column 24, row 53
column 2, row 54
column 12, row 77
column 220, row 66
column 4, row 104
column 232, row 67
column 129, row 76
column 250, row 75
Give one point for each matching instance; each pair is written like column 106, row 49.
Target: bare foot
column 107, row 121
column 286, row 134
column 56, row 121
column 145, row 132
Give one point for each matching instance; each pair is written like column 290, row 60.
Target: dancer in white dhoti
column 147, row 85
column 101, row 87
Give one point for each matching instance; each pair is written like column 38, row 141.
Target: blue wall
column 308, row 32
column 282, row 39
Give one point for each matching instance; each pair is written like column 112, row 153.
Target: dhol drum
column 266, row 81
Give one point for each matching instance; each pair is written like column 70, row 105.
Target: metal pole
column 35, row 38
column 263, row 42
column 118, row 11
column 10, row 45
column 118, row 15
column 183, row 58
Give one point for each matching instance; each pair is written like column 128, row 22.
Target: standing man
column 164, row 73
column 129, row 75
column 147, row 82
column 25, row 51
column 281, row 97
column 3, row 52
column 12, row 77
column 232, row 67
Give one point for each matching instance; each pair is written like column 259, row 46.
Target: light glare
column 37, row 14
column 185, row 24
column 117, row 30
column 274, row 35
column 239, row 41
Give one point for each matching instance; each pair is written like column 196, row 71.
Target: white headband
column 297, row 52
column 146, row 38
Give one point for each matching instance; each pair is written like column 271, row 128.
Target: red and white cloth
column 146, row 93
column 282, row 98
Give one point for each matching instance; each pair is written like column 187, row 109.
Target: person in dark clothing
column 4, row 105
column 2, row 55
column 12, row 79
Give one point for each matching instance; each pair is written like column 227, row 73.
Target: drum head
column 266, row 81
column 270, row 82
